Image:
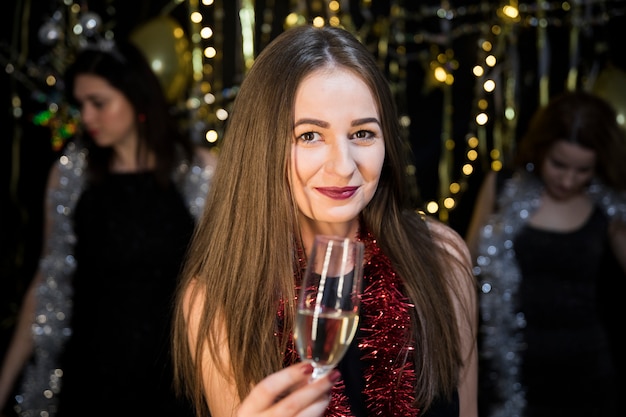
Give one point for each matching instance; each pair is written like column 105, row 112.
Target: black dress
column 131, row 238
column 567, row 364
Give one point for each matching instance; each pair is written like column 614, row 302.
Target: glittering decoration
column 500, row 277
column 383, row 339
column 51, row 328
column 63, row 125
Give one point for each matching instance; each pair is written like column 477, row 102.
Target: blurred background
column 466, row 74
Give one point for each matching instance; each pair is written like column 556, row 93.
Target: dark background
column 417, row 33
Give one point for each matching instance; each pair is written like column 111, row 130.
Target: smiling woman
column 338, row 153
column 313, row 147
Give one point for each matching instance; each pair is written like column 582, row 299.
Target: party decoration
column 165, row 46
column 91, row 23
column 50, row 33
column 611, row 85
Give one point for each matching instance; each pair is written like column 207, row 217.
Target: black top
column 351, row 368
column 567, row 365
column 131, row 239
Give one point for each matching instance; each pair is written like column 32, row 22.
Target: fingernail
column 334, row 376
column 307, row 369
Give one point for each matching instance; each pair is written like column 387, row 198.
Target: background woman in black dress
column 543, row 236
column 121, row 205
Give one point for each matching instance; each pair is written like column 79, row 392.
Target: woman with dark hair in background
column 121, row 205
column 542, row 236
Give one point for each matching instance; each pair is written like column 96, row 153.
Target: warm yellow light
column 291, row 19
column 455, row 187
column 472, row 142
column 510, row 11
column 205, row 87
column 221, row 114
column 449, row 203
column 440, row 74
column 211, row 136
column 482, row 119
column 468, row 169
column 478, row 71
column 196, row 17
column 491, row 61
column 206, row 32
column 318, row 21
column 193, row 103
column 472, row 155
column 209, row 98
column 432, row 207
column 489, row 86
column 210, row 52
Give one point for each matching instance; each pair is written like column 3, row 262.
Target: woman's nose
column 86, row 114
column 568, row 180
column 340, row 158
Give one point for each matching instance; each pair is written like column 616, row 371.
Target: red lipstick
column 337, row 193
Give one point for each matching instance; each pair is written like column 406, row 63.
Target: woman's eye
column 308, row 137
column 364, row 135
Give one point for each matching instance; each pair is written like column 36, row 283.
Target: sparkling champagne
column 324, row 337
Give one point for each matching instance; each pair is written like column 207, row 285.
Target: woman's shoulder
column 68, row 169
column 448, row 238
column 441, row 230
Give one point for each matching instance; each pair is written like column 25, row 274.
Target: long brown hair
column 243, row 255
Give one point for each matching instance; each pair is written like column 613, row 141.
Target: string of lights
column 406, row 33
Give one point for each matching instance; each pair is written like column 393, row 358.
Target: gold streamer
column 544, row 54
column 447, row 149
column 247, row 20
column 572, row 75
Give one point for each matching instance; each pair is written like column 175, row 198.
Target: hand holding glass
column 328, row 304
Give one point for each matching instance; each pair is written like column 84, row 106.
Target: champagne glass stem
column 319, row 371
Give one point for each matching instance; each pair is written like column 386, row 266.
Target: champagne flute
column 328, row 304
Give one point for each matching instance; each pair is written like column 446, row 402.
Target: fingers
column 288, row 393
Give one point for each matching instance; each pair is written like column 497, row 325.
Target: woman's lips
column 337, row 193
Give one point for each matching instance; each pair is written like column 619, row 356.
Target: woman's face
column 106, row 113
column 567, row 169
column 338, row 149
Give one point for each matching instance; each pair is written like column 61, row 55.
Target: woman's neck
column 309, row 228
column 126, row 159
